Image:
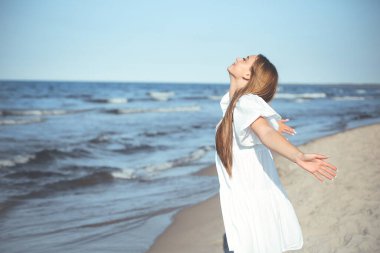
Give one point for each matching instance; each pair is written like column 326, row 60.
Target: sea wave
column 60, row 184
column 84, row 181
column 169, row 109
column 294, row 96
column 33, row 174
column 215, row 97
column 57, row 182
column 348, row 98
column 131, row 148
column 124, row 174
column 193, row 156
column 145, row 173
column 20, row 121
column 43, row 155
column 109, row 100
column 54, row 153
column 17, row 159
column 154, row 133
column 161, row 95
column 361, row 91
column 27, row 112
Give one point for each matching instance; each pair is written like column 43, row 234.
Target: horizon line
column 178, row 82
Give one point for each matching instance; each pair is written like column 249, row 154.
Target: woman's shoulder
column 251, row 96
column 250, row 100
column 254, row 103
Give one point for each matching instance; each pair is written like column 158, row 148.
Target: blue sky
column 188, row 41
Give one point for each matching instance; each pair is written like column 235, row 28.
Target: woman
column 257, row 214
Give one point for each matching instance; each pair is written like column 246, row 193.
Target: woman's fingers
column 329, row 165
column 288, row 131
column 326, row 173
column 328, row 170
column 321, row 169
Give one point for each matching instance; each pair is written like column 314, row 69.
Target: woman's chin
column 229, row 70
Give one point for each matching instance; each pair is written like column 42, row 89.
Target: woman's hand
column 314, row 164
column 282, row 128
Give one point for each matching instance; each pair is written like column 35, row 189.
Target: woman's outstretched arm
column 312, row 163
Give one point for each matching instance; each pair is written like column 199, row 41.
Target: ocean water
column 105, row 166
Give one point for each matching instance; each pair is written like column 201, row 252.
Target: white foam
column 117, row 100
column 169, row 109
column 18, row 159
column 348, row 98
column 193, row 156
column 300, row 96
column 124, row 174
column 21, row 112
column 157, row 167
column 215, row 97
column 20, row 121
column 37, row 112
column 161, row 95
column 361, row 91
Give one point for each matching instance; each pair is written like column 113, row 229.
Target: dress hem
column 296, row 247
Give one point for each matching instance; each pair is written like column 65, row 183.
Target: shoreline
column 199, row 228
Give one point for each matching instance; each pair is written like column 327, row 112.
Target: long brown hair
column 263, row 82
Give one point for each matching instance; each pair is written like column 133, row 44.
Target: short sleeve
column 249, row 108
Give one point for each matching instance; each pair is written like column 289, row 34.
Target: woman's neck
column 236, row 84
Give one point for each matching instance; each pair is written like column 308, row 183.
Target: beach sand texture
column 336, row 216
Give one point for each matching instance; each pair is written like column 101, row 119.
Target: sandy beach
column 335, row 216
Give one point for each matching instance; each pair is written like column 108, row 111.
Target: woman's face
column 241, row 67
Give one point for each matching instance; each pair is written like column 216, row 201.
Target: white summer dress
column 257, row 214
